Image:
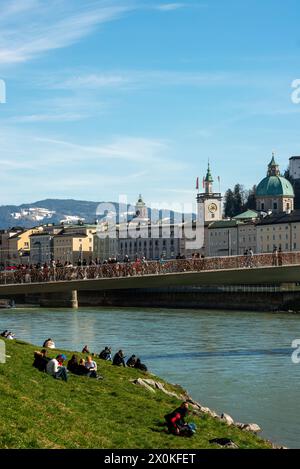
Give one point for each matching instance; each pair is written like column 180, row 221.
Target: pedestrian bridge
column 269, row 275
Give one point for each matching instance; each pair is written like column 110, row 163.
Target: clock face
column 212, row 208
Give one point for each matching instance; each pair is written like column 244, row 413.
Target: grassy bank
column 38, row 411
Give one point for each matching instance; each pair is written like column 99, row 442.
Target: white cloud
column 170, row 6
column 94, row 81
column 17, row 7
column 41, row 29
column 122, row 148
column 145, row 79
column 33, row 118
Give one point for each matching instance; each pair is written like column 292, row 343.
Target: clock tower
column 209, row 202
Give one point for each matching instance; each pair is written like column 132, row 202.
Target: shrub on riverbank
column 38, row 411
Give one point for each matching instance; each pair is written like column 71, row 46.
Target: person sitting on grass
column 49, row 343
column 105, row 354
column 41, row 360
column 131, row 361
column 11, row 336
column 56, row 369
column 91, row 365
column 81, row 369
column 176, row 424
column 139, row 365
column 85, row 349
column 119, row 359
column 72, row 365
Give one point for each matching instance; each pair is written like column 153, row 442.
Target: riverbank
column 116, row 412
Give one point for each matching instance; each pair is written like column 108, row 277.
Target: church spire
column 273, row 167
column 208, row 181
column 208, row 174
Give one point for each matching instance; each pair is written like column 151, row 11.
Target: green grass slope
column 38, row 411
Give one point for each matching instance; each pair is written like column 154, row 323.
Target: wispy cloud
column 123, row 148
column 149, row 78
column 33, row 118
column 17, row 7
column 170, row 6
column 40, row 28
column 42, row 166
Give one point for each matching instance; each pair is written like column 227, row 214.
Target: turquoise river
column 234, row 362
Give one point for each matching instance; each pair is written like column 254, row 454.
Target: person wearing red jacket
column 175, row 420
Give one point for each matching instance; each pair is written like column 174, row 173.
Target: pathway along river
column 234, row 362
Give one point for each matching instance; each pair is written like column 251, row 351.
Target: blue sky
column 121, row 97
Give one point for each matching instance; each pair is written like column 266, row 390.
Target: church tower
column 209, row 202
column 141, row 211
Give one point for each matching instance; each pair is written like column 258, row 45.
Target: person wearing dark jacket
column 40, row 360
column 119, row 359
column 139, row 365
column 105, row 354
column 81, row 369
column 175, row 420
column 73, row 364
column 131, row 361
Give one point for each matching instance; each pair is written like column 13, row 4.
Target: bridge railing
column 140, row 267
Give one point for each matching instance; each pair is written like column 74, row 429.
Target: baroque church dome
column 274, row 185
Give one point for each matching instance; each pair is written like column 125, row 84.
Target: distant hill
column 54, row 211
column 47, row 211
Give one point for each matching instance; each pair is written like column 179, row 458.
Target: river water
column 234, row 362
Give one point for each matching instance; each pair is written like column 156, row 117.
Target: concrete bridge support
column 55, row 300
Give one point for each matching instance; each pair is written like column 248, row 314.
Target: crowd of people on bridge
column 112, row 268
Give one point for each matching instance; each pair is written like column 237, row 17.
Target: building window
column 286, row 246
column 295, row 245
column 275, row 206
column 262, row 206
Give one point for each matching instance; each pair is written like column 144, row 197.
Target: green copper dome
column 274, row 186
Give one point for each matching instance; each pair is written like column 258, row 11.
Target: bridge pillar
column 74, row 299
column 58, row 300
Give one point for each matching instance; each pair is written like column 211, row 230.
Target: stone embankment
column 152, row 386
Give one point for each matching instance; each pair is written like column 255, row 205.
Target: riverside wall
column 180, row 298
column 185, row 298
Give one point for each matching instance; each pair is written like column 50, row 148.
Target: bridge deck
column 244, row 276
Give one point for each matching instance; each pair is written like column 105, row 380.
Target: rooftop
column 249, row 214
column 274, row 219
column 225, row 224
